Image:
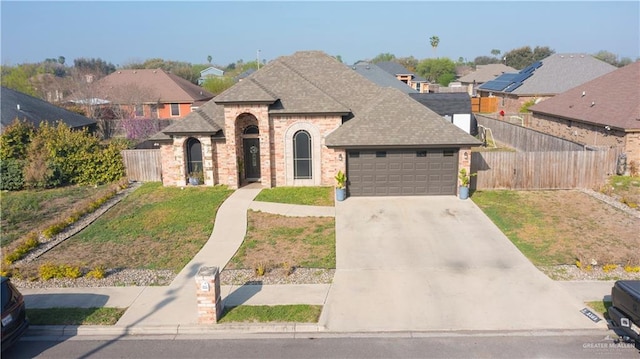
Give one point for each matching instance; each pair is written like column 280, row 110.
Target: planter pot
column 341, row 194
column 464, row 192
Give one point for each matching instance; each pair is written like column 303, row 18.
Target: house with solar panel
column 603, row 112
column 542, row 80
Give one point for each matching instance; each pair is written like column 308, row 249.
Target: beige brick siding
column 589, row 134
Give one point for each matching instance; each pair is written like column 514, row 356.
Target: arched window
column 194, row 155
column 302, row 155
column 251, row 130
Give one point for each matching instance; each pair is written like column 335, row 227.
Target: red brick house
column 149, row 93
column 602, row 112
column 300, row 119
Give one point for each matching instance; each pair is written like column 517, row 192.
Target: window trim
column 171, row 109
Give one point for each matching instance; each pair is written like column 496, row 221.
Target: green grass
column 624, row 182
column 155, row 227
column 312, row 196
column 301, row 313
column 525, row 225
column 75, row 316
column 22, row 211
column 600, row 306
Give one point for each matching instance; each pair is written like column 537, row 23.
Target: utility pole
column 258, row 59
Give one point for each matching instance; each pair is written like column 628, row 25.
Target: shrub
column 609, row 267
column 50, row 270
column 11, row 178
column 25, row 247
column 97, row 272
column 525, row 106
column 631, row 269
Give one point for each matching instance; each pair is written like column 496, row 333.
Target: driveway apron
column 436, row 263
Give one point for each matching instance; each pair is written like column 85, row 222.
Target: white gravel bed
column 147, row 277
column 571, row 272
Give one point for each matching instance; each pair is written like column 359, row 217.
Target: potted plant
column 341, row 186
column 465, row 178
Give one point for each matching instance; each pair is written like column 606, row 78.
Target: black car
column 625, row 309
column 14, row 316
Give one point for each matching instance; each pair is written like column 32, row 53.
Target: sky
column 124, row 32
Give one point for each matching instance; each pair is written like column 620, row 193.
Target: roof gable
column 612, row 99
column 24, row 107
column 445, row 103
column 148, row 85
column 209, row 118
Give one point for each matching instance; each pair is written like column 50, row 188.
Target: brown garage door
column 402, row 172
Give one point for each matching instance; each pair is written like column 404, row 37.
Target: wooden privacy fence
column 542, row 170
column 526, row 139
column 143, row 165
column 484, row 104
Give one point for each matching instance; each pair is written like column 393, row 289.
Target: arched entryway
column 251, row 146
column 249, row 139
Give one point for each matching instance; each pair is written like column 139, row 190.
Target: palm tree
column 434, row 43
column 209, row 58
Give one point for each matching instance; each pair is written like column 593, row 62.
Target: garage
column 402, row 172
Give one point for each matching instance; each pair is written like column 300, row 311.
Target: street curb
column 293, row 330
column 102, row 330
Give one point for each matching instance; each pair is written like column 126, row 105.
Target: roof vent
column 584, row 93
column 593, row 103
column 18, row 106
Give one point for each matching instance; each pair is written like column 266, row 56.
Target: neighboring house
column 302, row 118
column 209, row 72
column 401, row 73
column 17, row 105
column 543, row 79
column 482, row 74
column 602, row 112
column 148, row 93
column 244, row 75
column 454, row 107
column 380, row 77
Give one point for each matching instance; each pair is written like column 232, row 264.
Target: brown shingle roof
column 392, row 119
column 609, row 100
column 149, row 86
column 313, row 82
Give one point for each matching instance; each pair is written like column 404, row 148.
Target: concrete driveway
column 436, row 263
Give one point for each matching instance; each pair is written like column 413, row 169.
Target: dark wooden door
column 251, row 159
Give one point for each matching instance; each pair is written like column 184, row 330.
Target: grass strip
column 311, row 196
column 299, row 313
column 75, row 316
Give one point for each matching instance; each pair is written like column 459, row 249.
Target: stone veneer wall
column 229, row 151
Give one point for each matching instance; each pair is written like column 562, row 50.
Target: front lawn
column 563, row 227
column 155, row 227
column 301, row 313
column 75, row 316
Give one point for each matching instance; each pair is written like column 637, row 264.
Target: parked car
column 14, row 315
column 625, row 309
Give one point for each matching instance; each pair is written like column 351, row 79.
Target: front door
column 251, row 159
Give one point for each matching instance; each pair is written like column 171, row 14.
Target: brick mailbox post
column 208, row 295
